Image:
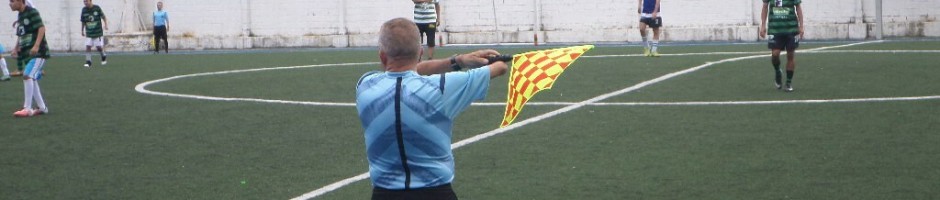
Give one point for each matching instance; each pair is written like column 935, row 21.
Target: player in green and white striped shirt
column 784, row 24
column 94, row 23
column 427, row 15
column 31, row 48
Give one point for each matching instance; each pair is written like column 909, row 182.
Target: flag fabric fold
column 536, row 71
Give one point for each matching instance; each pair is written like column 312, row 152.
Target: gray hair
column 399, row 39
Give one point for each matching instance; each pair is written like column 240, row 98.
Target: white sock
column 655, row 45
column 87, row 57
column 28, row 88
column 37, row 95
column 3, row 65
column 646, row 42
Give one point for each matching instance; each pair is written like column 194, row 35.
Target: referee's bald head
column 399, row 40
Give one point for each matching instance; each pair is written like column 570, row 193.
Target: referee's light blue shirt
column 427, row 116
column 159, row 18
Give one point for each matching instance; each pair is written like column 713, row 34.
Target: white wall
column 212, row 24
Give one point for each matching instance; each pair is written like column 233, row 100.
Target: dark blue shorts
column 653, row 23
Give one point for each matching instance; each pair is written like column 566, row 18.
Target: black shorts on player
column 427, row 30
column 787, row 41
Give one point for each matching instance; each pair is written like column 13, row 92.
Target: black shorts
column 788, row 41
column 159, row 32
column 653, row 23
column 428, row 31
column 443, row 192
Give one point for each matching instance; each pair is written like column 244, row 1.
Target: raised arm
column 464, row 61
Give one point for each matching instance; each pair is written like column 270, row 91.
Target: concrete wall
column 236, row 24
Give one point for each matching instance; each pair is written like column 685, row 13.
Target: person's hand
column 15, row 53
column 801, row 33
column 83, row 33
column 476, row 58
column 655, row 14
column 34, row 51
column 762, row 32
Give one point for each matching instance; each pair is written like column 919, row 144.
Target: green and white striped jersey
column 28, row 24
column 781, row 16
column 91, row 17
column 426, row 13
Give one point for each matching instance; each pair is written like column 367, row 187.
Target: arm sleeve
column 462, row 88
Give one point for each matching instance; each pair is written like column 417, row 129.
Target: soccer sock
column 776, row 62
column 28, row 93
column 655, row 45
column 104, row 56
column 37, row 95
column 789, row 76
column 3, row 65
column 646, row 42
column 87, row 57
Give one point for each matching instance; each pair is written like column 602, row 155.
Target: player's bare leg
column 775, row 60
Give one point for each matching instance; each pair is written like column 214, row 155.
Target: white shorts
column 650, row 15
column 97, row 42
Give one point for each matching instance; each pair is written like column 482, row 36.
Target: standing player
column 649, row 16
column 93, row 20
column 3, row 65
column 785, row 23
column 161, row 24
column 33, row 49
column 427, row 13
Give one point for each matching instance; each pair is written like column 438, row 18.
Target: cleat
column 26, row 112
column 5, row 78
column 789, row 88
column 646, row 51
column 777, row 82
column 104, row 62
column 16, row 73
column 40, row 111
column 654, row 54
column 87, row 65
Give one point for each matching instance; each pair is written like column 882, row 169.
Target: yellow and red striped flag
column 535, row 71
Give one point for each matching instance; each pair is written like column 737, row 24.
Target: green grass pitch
column 719, row 132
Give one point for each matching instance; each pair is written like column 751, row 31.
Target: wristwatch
column 453, row 63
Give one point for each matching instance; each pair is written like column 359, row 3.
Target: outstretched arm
column 465, row 61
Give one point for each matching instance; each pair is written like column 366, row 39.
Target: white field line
column 337, row 185
column 142, row 87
